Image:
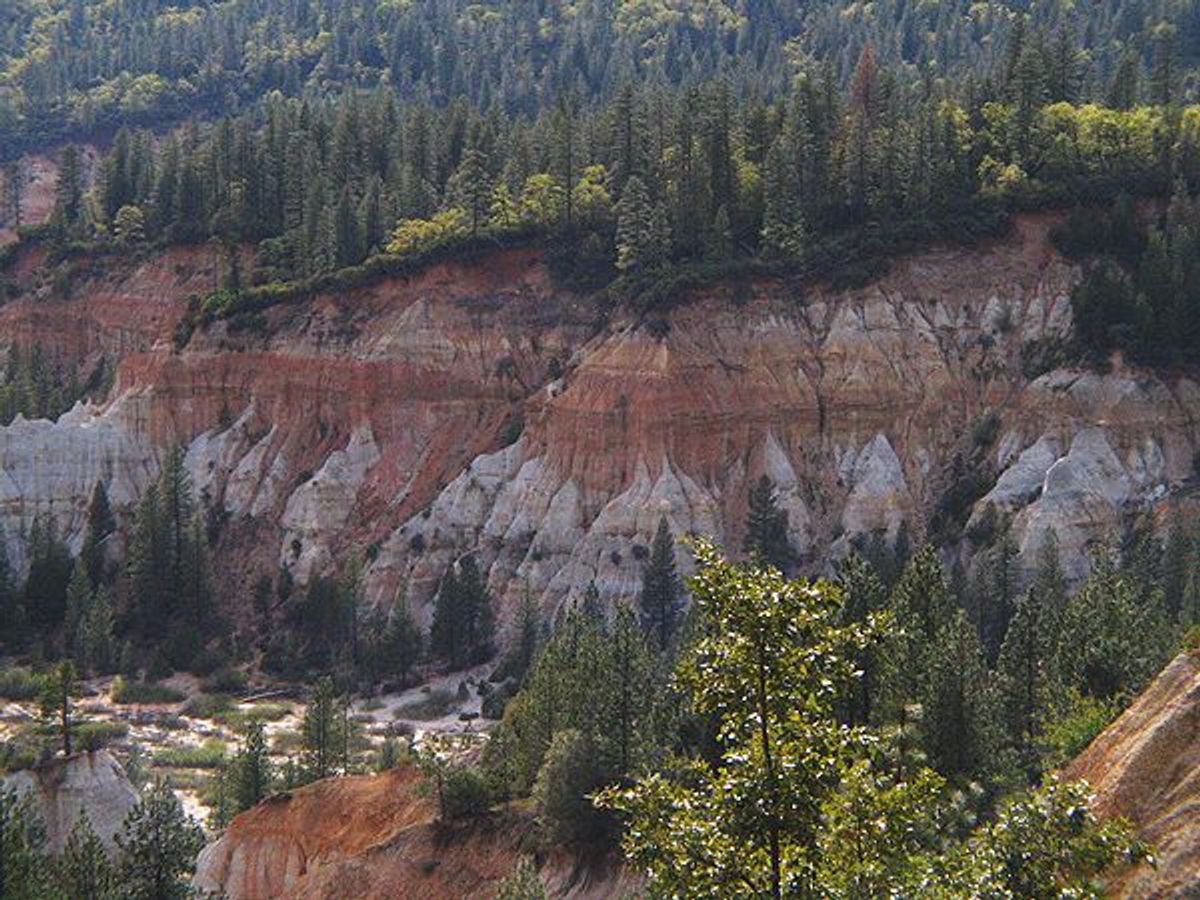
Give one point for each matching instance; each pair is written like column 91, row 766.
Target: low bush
column 434, row 706
column 18, row 684
column 466, row 794
column 126, row 692
column 97, row 735
column 209, row 755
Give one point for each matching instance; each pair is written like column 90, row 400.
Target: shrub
column 436, row 705
column 1191, row 640
column 207, row 706
column 1079, row 725
column 466, row 794
column 97, row 735
column 143, row 692
column 18, row 684
column 568, row 775
column 226, row 680
column 209, row 755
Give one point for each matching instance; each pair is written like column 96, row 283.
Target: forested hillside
column 72, row 67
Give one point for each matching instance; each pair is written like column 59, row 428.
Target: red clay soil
column 1146, row 767
column 376, row 836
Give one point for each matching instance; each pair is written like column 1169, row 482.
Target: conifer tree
column 79, row 602
column 957, row 716
column 158, row 845
column 58, row 690
column 767, row 528
column 100, row 524
column 23, row 870
column 251, row 769
column 1179, row 559
column 322, row 732
column 83, row 869
column 995, row 594
column 640, row 239
column 1025, row 675
column 660, row 588
column 471, row 187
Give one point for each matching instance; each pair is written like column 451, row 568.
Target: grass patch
column 435, row 706
column 19, row 684
column 143, row 692
column 238, row 719
column 95, row 735
column 209, row 755
column 286, row 743
column 207, row 706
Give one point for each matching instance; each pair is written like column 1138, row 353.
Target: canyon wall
column 478, row 408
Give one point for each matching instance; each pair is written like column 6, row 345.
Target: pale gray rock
column 62, row 790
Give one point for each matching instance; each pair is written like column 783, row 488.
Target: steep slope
column 63, row 790
column 376, row 837
column 1146, row 767
column 477, row 407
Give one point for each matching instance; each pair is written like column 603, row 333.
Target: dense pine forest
column 891, row 729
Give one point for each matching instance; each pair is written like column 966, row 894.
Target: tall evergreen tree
column 767, row 528
column 660, row 588
column 158, row 845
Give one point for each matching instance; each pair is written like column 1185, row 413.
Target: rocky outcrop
column 376, row 837
column 479, row 409
column 1146, row 767
column 63, row 790
column 50, row 469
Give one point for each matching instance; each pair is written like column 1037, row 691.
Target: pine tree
column 251, row 769
column 526, row 639
column 146, row 562
column 1178, row 561
column 100, row 524
column 783, row 231
column 58, row 689
column 995, row 594
column 1025, row 673
column 471, row 188
column 959, row 732
column 23, row 870
column 627, row 697
column 640, row 242
column 864, row 595
column 660, row 588
column 322, row 732
column 83, row 869
column 158, row 845
column 68, row 206
column 95, row 650
column 767, row 528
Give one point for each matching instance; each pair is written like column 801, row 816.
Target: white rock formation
column 64, row 789
column 50, row 468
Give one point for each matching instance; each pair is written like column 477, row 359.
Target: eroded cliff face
column 64, row 790
column 376, row 836
column 1146, row 767
column 476, row 408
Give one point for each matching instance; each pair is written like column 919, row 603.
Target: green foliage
column 463, row 622
column 770, row 667
column 83, row 869
column 209, row 755
column 23, row 873
column 523, row 884
column 660, row 601
column 767, row 528
column 802, row 805
column 1078, row 721
column 125, row 691
column 326, row 733
column 562, row 791
column 158, row 847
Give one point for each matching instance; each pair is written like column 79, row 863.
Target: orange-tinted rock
column 1146, row 767
column 376, row 837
